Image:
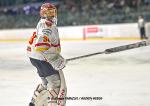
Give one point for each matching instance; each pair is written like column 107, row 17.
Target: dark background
column 25, row 13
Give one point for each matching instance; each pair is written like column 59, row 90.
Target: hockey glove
column 58, row 62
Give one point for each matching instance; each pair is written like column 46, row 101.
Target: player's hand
column 58, row 63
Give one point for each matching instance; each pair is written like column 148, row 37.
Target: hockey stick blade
column 126, row 47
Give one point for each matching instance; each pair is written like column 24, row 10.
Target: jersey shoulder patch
column 47, row 32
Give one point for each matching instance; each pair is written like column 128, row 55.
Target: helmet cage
column 48, row 11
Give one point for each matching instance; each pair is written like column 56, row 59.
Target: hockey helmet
column 48, row 10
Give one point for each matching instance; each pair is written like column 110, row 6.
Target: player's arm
column 50, row 49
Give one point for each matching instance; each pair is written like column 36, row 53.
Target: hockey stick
column 88, row 55
column 114, row 49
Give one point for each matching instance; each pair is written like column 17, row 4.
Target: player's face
column 51, row 13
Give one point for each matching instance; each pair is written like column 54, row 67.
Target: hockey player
column 44, row 53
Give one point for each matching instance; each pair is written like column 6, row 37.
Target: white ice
column 121, row 79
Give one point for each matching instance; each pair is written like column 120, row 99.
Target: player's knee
column 53, row 82
column 53, row 86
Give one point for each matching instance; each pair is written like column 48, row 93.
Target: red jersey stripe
column 42, row 44
column 55, row 45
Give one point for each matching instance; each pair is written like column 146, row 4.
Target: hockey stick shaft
column 88, row 55
column 114, row 49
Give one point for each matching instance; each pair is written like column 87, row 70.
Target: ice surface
column 121, row 79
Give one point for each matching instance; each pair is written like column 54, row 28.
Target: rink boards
column 127, row 31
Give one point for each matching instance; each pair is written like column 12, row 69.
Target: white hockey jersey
column 44, row 43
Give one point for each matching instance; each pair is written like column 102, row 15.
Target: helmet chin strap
column 49, row 22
